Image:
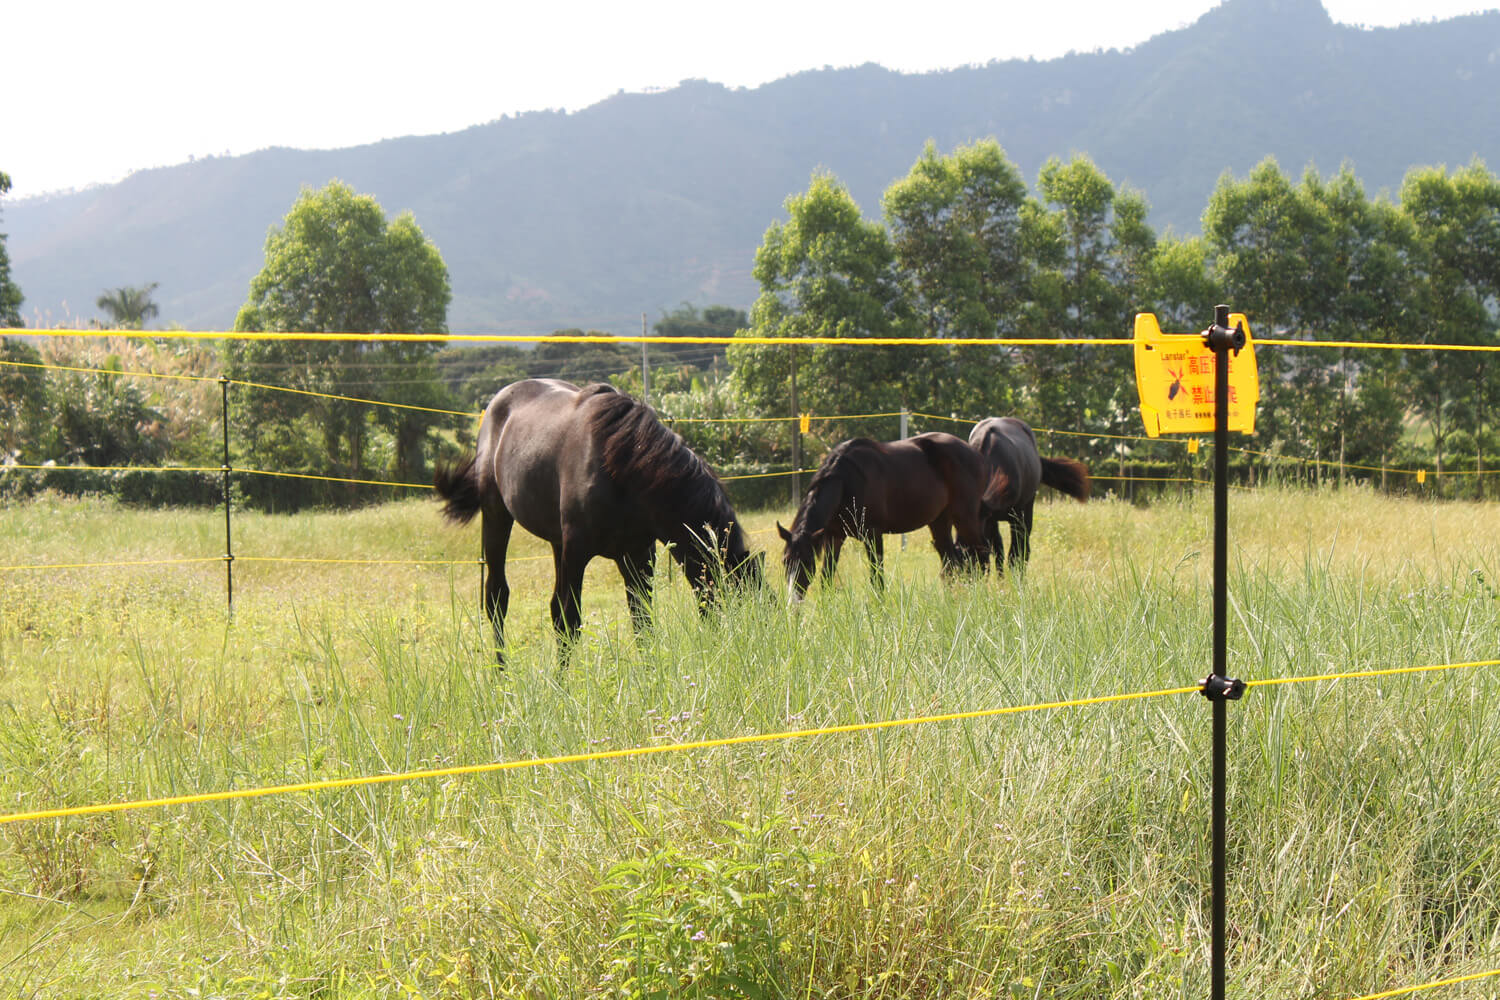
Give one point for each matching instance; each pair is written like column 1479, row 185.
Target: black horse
column 865, row 489
column 596, row 474
column 1010, row 447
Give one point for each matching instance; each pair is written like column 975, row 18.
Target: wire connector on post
column 1222, row 336
column 1216, row 688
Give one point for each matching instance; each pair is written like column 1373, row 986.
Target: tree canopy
column 335, row 265
column 965, row 252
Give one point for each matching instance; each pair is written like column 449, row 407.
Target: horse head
column 716, row 559
column 799, row 555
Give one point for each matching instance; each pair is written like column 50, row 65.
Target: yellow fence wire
column 351, row 399
column 123, row 562
column 268, row 559
column 215, row 469
column 602, row 755
column 590, row 338
column 1408, row 990
column 1094, row 435
column 239, row 382
column 577, row 758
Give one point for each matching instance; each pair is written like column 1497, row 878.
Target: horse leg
column 495, row 533
column 875, row 549
column 973, row 548
column 637, row 569
column 949, row 554
column 1020, row 533
column 567, row 592
column 996, row 545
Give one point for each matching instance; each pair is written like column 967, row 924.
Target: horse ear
column 786, row 536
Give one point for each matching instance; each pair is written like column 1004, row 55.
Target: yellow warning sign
column 1174, row 373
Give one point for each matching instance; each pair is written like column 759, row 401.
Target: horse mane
column 837, row 464
column 644, row 455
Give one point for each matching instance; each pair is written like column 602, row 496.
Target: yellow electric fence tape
column 584, row 338
column 855, row 727
column 126, row 562
column 1408, row 990
column 239, row 382
column 118, row 468
column 351, row 399
column 108, row 371
column 215, row 468
column 1174, row 374
column 763, row 475
column 523, row 338
column 511, row 765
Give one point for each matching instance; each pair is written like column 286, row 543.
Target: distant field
column 1050, row 854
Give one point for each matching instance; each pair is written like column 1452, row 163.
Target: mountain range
column 552, row 220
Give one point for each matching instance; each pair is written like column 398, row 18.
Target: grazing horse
column 865, row 489
column 1010, row 447
column 596, row 474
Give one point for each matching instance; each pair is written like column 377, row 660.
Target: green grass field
column 1061, row 853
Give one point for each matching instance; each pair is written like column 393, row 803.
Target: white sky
column 90, row 91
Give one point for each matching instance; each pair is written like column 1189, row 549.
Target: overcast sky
column 92, row 91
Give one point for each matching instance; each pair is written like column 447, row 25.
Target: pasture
column 1059, row 853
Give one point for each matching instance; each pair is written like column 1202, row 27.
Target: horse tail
column 1068, row 476
column 458, row 485
column 995, row 487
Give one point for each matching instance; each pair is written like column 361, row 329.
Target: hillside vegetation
column 552, row 220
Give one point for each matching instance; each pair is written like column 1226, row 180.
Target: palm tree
column 129, row 307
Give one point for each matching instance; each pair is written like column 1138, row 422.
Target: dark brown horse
column 865, row 489
column 596, row 474
column 1010, row 447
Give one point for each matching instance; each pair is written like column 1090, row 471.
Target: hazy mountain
column 643, row 201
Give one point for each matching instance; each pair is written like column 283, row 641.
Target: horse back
column 540, row 457
column 966, row 471
column 947, row 452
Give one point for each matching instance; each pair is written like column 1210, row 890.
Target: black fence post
column 1218, row 687
column 228, row 536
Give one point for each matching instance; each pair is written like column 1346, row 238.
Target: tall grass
column 1050, row 854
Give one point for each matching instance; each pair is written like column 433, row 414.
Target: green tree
column 687, row 321
column 1359, row 275
column 128, row 307
column 1095, row 253
column 826, row 272
column 581, row 363
column 10, row 295
column 1261, row 236
column 1180, row 289
column 958, row 228
column 101, row 418
column 1456, row 219
column 23, row 404
column 335, row 265
column 1318, row 260
column 473, row 374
